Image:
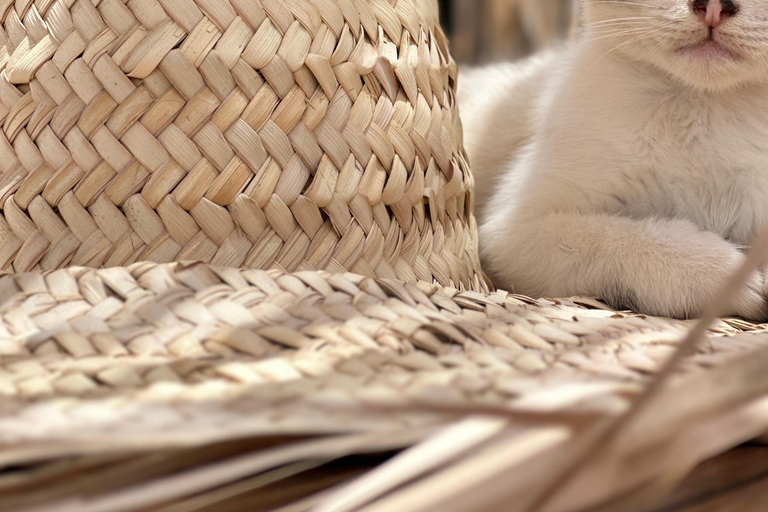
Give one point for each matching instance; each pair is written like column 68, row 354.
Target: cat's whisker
column 628, row 22
column 649, row 34
column 765, row 65
column 603, row 30
column 630, row 26
column 622, row 3
column 597, row 23
column 615, row 31
column 615, row 34
column 623, row 24
column 620, row 33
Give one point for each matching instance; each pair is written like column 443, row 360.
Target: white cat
column 631, row 165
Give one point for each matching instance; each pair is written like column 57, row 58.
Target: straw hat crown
column 301, row 135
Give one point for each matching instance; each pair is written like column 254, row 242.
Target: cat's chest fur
column 701, row 159
column 669, row 153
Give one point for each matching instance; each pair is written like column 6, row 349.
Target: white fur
column 621, row 167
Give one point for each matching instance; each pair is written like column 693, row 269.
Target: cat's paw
column 690, row 285
column 752, row 303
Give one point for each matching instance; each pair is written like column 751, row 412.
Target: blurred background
column 484, row 31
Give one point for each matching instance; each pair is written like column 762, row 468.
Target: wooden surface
column 734, row 482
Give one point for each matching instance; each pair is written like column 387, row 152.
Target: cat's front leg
column 653, row 266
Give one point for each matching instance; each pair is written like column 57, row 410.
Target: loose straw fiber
column 294, row 135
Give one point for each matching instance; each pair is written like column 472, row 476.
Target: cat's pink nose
column 713, row 12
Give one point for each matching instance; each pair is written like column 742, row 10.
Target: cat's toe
column 752, row 303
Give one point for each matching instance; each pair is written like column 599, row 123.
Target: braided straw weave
column 307, row 155
column 116, row 380
column 267, row 134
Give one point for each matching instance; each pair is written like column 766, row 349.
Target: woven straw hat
column 298, row 136
column 308, row 155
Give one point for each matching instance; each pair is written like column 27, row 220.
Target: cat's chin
column 709, row 52
column 711, row 67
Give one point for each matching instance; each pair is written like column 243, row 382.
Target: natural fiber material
column 188, row 333
column 309, row 154
column 267, row 134
column 101, row 366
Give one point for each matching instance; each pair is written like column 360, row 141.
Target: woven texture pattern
column 190, row 386
column 307, row 154
column 179, row 333
column 266, row 134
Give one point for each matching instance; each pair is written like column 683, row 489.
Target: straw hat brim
column 186, row 379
